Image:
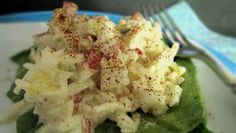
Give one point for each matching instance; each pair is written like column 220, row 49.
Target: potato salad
column 87, row 69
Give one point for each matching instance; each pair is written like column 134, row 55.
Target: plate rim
column 44, row 16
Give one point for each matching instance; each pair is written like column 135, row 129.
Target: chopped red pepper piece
column 139, row 52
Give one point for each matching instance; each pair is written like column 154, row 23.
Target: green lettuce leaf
column 201, row 128
column 19, row 59
column 27, row 123
column 108, row 127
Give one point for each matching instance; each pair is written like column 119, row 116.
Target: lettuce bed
column 188, row 117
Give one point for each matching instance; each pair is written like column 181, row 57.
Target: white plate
column 14, row 37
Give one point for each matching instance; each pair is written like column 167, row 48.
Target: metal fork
column 188, row 48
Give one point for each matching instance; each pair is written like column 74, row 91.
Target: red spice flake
column 109, row 54
column 68, row 33
column 117, row 81
column 62, row 17
column 148, row 90
column 139, row 52
column 78, row 97
column 122, row 46
column 108, row 78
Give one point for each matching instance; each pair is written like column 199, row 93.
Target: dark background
column 218, row 15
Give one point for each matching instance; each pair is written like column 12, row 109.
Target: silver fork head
column 174, row 29
column 188, row 49
column 149, row 13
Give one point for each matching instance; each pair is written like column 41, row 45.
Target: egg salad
column 85, row 70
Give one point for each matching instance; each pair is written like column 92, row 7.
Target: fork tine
column 169, row 33
column 144, row 12
column 152, row 13
column 178, row 32
column 147, row 14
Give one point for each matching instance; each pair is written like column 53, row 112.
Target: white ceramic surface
column 14, row 37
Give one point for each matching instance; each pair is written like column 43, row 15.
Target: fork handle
column 219, row 66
